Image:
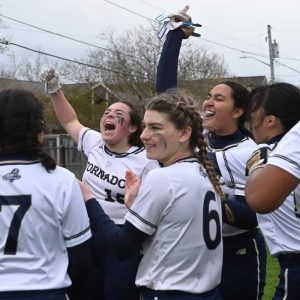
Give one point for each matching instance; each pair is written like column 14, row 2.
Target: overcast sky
column 230, row 27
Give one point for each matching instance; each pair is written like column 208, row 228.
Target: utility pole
column 273, row 53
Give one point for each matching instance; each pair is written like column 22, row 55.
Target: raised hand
column 52, row 81
column 132, row 187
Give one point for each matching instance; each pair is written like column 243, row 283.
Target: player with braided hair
column 44, row 227
column 175, row 212
column 229, row 145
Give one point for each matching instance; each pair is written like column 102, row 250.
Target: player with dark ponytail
column 274, row 110
column 22, row 126
column 44, row 226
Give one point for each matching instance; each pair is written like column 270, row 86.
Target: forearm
column 63, row 109
column 237, row 212
column 168, row 63
column 122, row 241
column 66, row 114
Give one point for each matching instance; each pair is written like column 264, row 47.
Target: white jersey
column 178, row 207
column 287, row 157
column 41, row 214
column 232, row 162
column 105, row 171
column 281, row 228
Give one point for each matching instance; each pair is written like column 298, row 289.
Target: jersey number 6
column 211, row 216
column 24, row 202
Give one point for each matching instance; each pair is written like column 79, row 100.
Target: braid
column 203, row 155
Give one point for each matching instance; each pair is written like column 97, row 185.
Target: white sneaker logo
column 241, row 251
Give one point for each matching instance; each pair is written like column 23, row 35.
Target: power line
column 150, row 4
column 117, row 52
column 209, row 41
column 71, row 60
column 69, row 38
column 131, row 11
column 287, row 66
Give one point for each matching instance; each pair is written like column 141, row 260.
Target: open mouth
column 109, row 126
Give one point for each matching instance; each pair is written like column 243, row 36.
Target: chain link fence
column 64, row 150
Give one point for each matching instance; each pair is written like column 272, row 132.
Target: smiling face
column 219, row 113
column 115, row 126
column 163, row 142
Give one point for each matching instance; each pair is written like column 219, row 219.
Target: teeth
column 209, row 113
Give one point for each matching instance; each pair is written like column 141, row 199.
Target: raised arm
column 167, row 68
column 64, row 111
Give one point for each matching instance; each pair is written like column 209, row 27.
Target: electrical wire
column 72, row 61
column 68, row 37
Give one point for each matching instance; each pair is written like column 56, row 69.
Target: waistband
column 242, row 236
column 289, row 258
column 159, row 293
column 35, row 293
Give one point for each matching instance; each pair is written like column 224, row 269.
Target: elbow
column 259, row 204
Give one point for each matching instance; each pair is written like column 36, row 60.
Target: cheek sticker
column 161, row 139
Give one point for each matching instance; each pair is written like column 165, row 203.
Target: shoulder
column 88, row 139
column 61, row 173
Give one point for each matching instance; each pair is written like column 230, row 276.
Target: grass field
column 272, row 277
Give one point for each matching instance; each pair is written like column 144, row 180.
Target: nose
column 207, row 102
column 144, row 135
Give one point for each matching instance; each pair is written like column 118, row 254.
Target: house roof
column 32, row 86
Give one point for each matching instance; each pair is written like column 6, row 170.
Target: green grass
column 272, row 277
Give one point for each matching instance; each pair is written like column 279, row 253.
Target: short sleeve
column 152, row 202
column 76, row 225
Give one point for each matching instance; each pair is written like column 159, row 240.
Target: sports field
column 272, row 277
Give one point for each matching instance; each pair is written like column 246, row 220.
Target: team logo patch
column 13, row 175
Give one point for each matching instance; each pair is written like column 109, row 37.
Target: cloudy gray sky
column 230, row 27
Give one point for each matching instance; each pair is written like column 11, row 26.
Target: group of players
column 170, row 201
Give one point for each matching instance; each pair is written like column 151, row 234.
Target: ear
column 40, row 137
column 185, row 134
column 238, row 112
column 132, row 128
column 272, row 121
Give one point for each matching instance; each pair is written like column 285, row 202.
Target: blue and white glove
column 176, row 20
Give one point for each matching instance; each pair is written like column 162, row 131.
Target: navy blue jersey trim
column 83, row 137
column 78, row 234
column 229, row 146
column 141, row 219
column 229, row 171
column 19, row 162
column 287, row 159
column 120, row 155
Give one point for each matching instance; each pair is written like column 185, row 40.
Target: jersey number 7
column 24, row 202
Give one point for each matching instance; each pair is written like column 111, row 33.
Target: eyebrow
column 153, row 123
column 117, row 110
column 217, row 95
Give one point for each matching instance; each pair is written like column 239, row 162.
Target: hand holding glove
column 52, row 81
